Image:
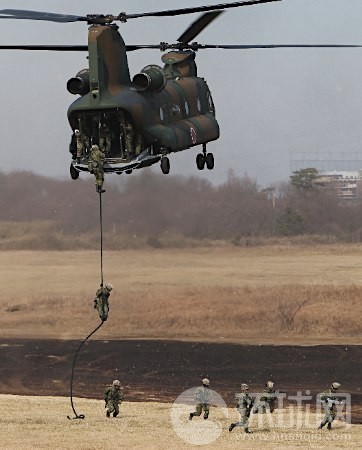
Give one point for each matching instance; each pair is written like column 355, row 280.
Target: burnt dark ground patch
column 161, row 370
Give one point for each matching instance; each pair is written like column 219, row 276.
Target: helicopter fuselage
column 162, row 110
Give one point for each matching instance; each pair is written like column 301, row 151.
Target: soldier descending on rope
column 113, row 396
column 244, row 403
column 329, row 401
column 101, row 301
column 266, row 400
column 95, row 166
column 203, row 395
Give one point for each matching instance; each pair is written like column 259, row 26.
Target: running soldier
column 329, row 401
column 244, row 404
column 113, row 396
column 266, row 400
column 95, row 166
column 203, row 395
column 101, row 303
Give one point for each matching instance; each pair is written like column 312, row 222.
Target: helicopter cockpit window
column 162, row 115
column 199, row 105
column 187, row 108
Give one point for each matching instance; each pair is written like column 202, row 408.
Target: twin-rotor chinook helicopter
column 137, row 122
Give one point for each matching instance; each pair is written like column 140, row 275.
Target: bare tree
column 288, row 309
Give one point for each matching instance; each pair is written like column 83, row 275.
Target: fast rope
column 101, row 234
column 82, row 416
column 79, row 416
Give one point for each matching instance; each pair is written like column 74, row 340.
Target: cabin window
column 210, row 104
column 162, row 115
column 187, row 108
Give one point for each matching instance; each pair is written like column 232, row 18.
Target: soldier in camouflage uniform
column 82, row 142
column 113, row 396
column 95, row 166
column 105, row 140
column 266, row 400
column 101, row 301
column 329, row 402
column 203, row 395
column 244, row 403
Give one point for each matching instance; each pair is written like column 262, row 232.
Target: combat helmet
column 206, row 382
column 116, row 383
column 108, row 286
column 335, row 385
column 244, row 387
column 270, row 384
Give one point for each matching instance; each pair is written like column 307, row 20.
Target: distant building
column 347, row 184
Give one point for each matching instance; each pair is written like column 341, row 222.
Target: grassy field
column 281, row 294
column 41, row 423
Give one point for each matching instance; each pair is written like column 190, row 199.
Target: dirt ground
column 41, row 423
column 161, row 370
column 165, row 306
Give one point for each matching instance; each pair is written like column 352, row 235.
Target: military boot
column 247, row 431
column 99, row 189
column 206, row 416
column 115, row 414
column 329, row 426
column 108, row 414
column 231, row 427
column 191, row 416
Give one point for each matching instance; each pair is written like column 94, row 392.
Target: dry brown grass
column 217, row 293
column 41, row 423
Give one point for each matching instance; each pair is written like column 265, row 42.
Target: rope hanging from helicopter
column 79, row 416
column 103, row 317
column 101, row 234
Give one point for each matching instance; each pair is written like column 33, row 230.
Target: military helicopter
column 140, row 121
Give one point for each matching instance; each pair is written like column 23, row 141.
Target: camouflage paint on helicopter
column 162, row 110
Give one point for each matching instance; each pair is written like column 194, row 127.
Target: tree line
column 151, row 204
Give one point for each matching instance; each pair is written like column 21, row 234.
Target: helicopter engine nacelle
column 79, row 85
column 151, row 78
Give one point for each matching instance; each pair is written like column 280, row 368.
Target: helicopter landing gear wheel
column 210, row 163
column 74, row 174
column 200, row 161
column 165, row 165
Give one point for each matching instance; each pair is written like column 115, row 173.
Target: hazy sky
column 269, row 103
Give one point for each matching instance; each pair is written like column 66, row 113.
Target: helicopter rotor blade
column 196, row 27
column 59, row 48
column 72, row 48
column 177, row 12
column 197, row 46
column 123, row 17
column 38, row 15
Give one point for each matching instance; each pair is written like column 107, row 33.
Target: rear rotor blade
column 38, row 15
column 196, row 27
column 246, row 47
column 177, row 12
column 58, row 48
